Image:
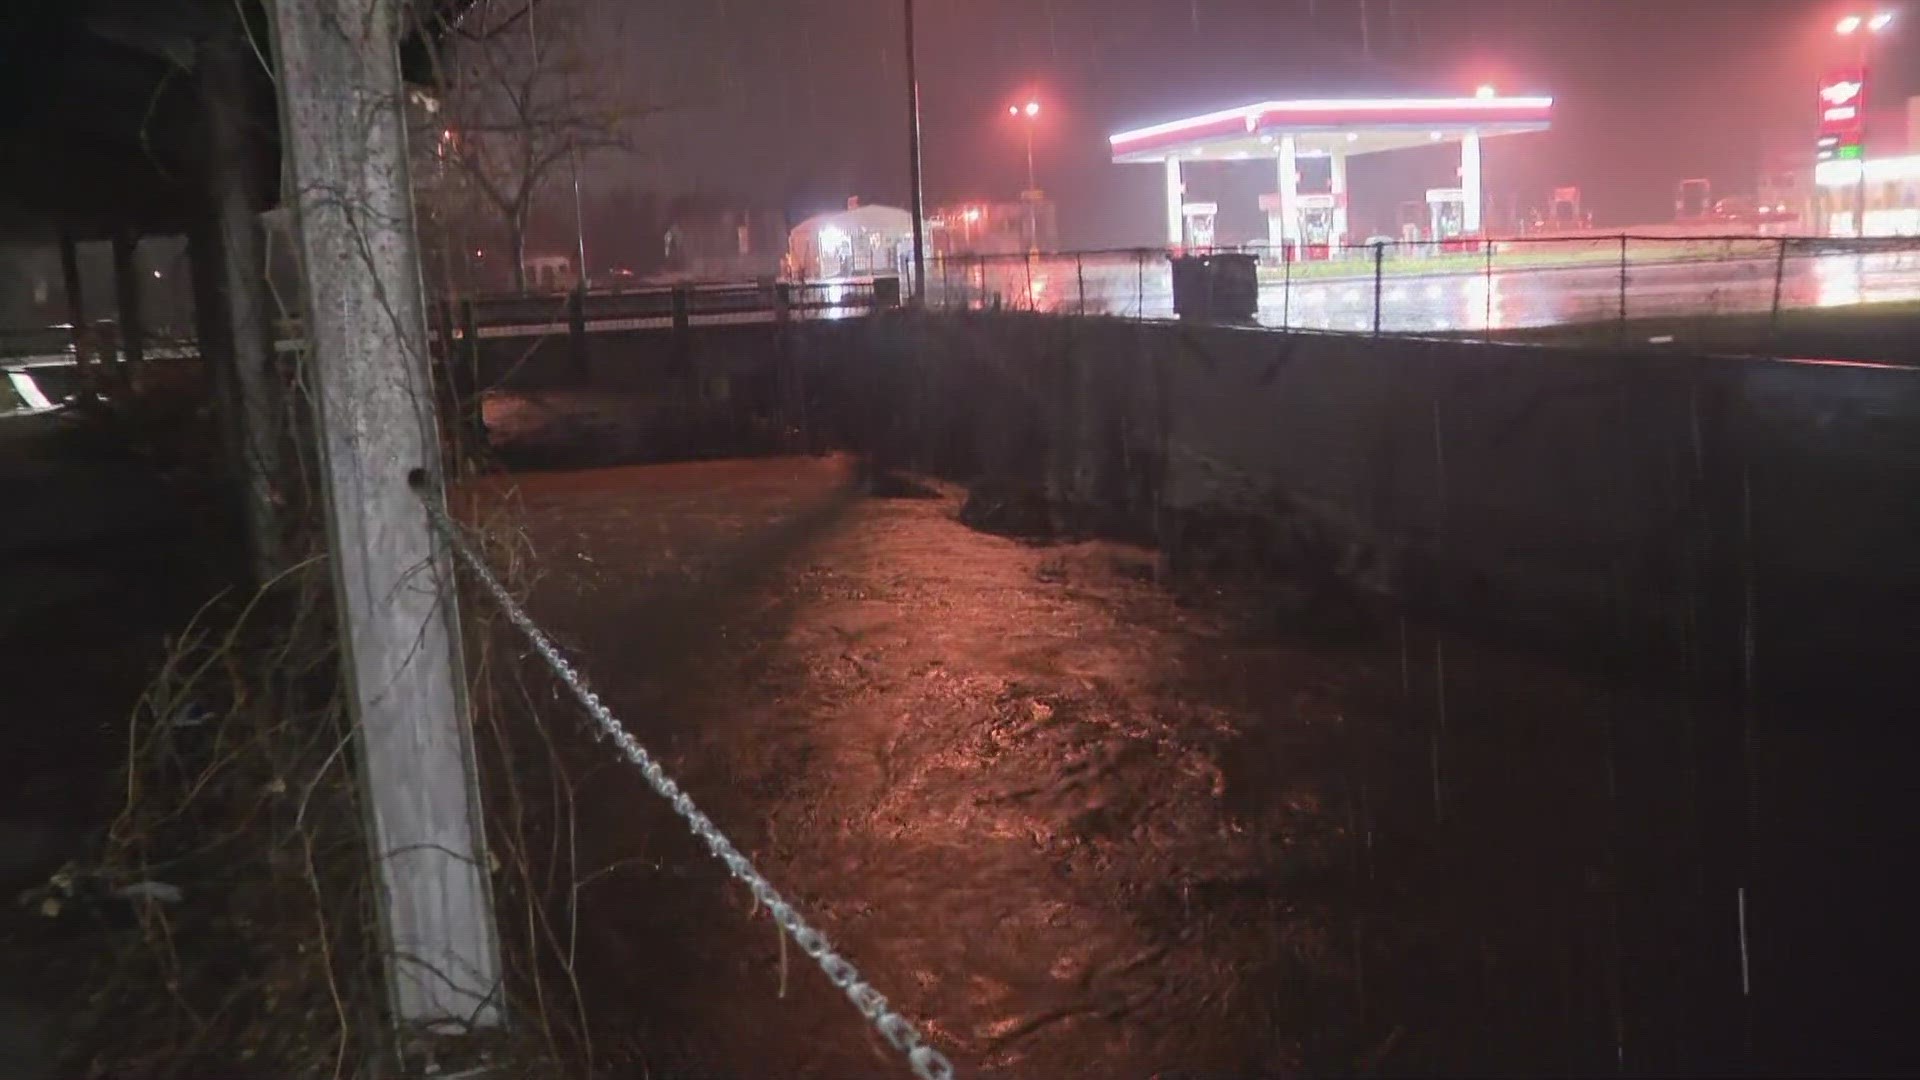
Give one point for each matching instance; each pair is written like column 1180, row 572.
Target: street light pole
column 913, row 166
column 1030, row 184
column 1031, row 113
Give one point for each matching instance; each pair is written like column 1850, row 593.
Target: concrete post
column 338, row 74
column 1470, row 181
column 1176, row 194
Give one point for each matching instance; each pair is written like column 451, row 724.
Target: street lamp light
column 1880, row 22
column 1485, row 91
column 1848, row 25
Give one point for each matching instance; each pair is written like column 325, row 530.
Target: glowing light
column 1435, row 136
column 1336, row 105
column 1485, row 93
column 833, row 237
column 1847, row 172
column 1353, row 136
column 1841, row 92
column 1013, row 110
column 972, row 214
column 1880, row 22
column 1847, row 25
column 1033, row 108
column 156, row 273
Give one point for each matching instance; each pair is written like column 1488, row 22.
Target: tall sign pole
column 913, row 167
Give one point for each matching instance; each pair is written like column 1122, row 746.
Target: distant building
column 1887, row 181
column 551, row 273
column 723, row 243
column 860, row 241
column 992, row 228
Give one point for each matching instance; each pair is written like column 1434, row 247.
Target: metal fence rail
column 1461, row 286
column 671, row 307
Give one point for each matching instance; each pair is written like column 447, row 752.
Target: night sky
column 798, row 103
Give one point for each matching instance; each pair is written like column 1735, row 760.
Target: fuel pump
column 1199, row 218
column 1447, row 214
column 1316, row 226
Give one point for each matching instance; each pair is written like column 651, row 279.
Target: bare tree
column 519, row 99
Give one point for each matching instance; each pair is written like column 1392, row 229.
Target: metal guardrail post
column 1080, row 276
column 577, row 331
column 1379, row 281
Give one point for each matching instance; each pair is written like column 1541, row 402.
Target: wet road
column 1466, row 301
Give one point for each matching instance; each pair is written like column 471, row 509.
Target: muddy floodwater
column 1072, row 817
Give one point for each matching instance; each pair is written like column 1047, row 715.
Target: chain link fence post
column 1140, row 283
column 1779, row 287
column 1286, row 285
column 1623, row 287
column 1379, row 279
column 1487, row 323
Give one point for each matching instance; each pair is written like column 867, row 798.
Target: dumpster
column 1216, row 287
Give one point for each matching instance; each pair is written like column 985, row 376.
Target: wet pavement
column 1073, row 821
column 1466, row 300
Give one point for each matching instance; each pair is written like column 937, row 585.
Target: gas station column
column 1288, row 216
column 1339, row 196
column 1470, row 182
column 1175, row 196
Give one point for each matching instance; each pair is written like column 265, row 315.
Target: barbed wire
column 927, row 1063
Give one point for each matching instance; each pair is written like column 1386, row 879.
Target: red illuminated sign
column 1843, row 113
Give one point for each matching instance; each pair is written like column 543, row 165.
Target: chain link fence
column 1491, row 287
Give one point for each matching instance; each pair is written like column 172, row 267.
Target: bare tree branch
column 516, row 106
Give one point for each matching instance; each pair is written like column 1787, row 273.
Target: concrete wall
column 1553, row 491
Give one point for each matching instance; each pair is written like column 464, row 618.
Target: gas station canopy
column 1314, row 224
column 1352, row 126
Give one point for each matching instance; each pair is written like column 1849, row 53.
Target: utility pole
column 342, row 127
column 913, row 167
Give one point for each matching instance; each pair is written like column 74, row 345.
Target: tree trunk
column 517, row 237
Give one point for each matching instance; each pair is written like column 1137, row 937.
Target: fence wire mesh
column 1459, row 287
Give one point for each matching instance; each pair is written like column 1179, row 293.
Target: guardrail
column 669, row 307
